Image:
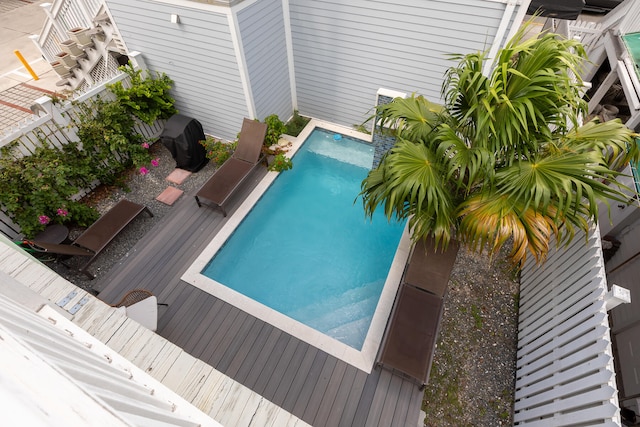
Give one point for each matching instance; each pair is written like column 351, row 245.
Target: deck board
column 301, row 379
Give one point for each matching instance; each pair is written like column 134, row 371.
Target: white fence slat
column 563, row 358
column 593, row 327
column 558, row 271
column 599, row 415
column 555, row 312
column 537, row 385
column 548, row 400
column 561, row 321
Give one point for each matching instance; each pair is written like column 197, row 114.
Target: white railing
column 59, row 374
column 63, row 15
column 565, row 373
column 54, row 124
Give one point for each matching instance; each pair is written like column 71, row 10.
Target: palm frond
column 410, row 179
column 493, row 220
column 413, row 118
column 617, row 143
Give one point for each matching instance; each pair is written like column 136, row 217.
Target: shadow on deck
column 316, row 387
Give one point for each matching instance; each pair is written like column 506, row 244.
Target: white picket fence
column 565, row 373
column 54, row 123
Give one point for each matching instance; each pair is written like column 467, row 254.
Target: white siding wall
column 565, row 373
column 197, row 53
column 345, row 51
column 263, row 39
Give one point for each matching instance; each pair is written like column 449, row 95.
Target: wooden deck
column 314, row 386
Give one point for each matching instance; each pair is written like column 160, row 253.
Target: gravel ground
column 142, row 189
column 472, row 377
column 473, row 372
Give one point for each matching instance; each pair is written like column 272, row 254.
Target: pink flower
column 155, row 162
column 145, row 145
column 62, row 212
column 144, row 171
column 44, row 220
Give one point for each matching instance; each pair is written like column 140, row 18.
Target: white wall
column 344, row 51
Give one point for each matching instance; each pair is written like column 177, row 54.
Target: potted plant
column 59, row 68
column 71, row 47
column 280, row 163
column 66, row 59
column 80, row 35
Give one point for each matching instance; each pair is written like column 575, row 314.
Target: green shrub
column 148, row 97
column 296, row 124
column 38, row 189
column 275, row 129
column 218, row 151
column 280, row 163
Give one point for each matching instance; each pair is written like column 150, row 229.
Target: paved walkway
column 20, row 19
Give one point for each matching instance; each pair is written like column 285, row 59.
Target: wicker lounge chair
column 429, row 269
column 95, row 238
column 410, row 339
column 248, row 154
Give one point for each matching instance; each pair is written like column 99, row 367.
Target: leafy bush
column 296, row 124
column 38, row 189
column 218, row 151
column 42, row 188
column 105, row 129
column 275, row 128
column 148, row 97
column 280, row 163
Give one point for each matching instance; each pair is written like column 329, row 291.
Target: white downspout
column 232, row 18
column 289, row 41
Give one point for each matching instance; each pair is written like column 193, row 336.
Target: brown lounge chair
column 410, row 339
column 95, row 238
column 248, row 154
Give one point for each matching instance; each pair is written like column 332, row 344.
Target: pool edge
column 363, row 359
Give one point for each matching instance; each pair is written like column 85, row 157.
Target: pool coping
column 362, row 359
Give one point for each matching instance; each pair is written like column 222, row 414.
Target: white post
column 137, row 60
column 47, row 10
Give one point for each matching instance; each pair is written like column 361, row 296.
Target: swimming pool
column 305, row 258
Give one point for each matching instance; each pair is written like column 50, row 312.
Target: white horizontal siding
column 344, row 52
column 197, row 53
column 263, row 39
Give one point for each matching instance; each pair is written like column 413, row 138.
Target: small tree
column 505, row 157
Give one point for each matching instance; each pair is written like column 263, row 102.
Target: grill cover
column 560, row 9
column 181, row 136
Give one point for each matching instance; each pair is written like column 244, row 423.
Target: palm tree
column 505, row 157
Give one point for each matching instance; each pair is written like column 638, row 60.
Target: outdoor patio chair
column 410, row 338
column 228, row 178
column 429, row 268
column 142, row 306
column 95, row 238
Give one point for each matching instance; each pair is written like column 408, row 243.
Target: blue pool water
column 306, row 248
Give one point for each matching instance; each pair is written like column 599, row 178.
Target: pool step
column 351, row 333
column 333, row 303
column 344, row 315
column 350, row 317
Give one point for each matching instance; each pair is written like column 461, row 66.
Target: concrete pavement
column 20, row 19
